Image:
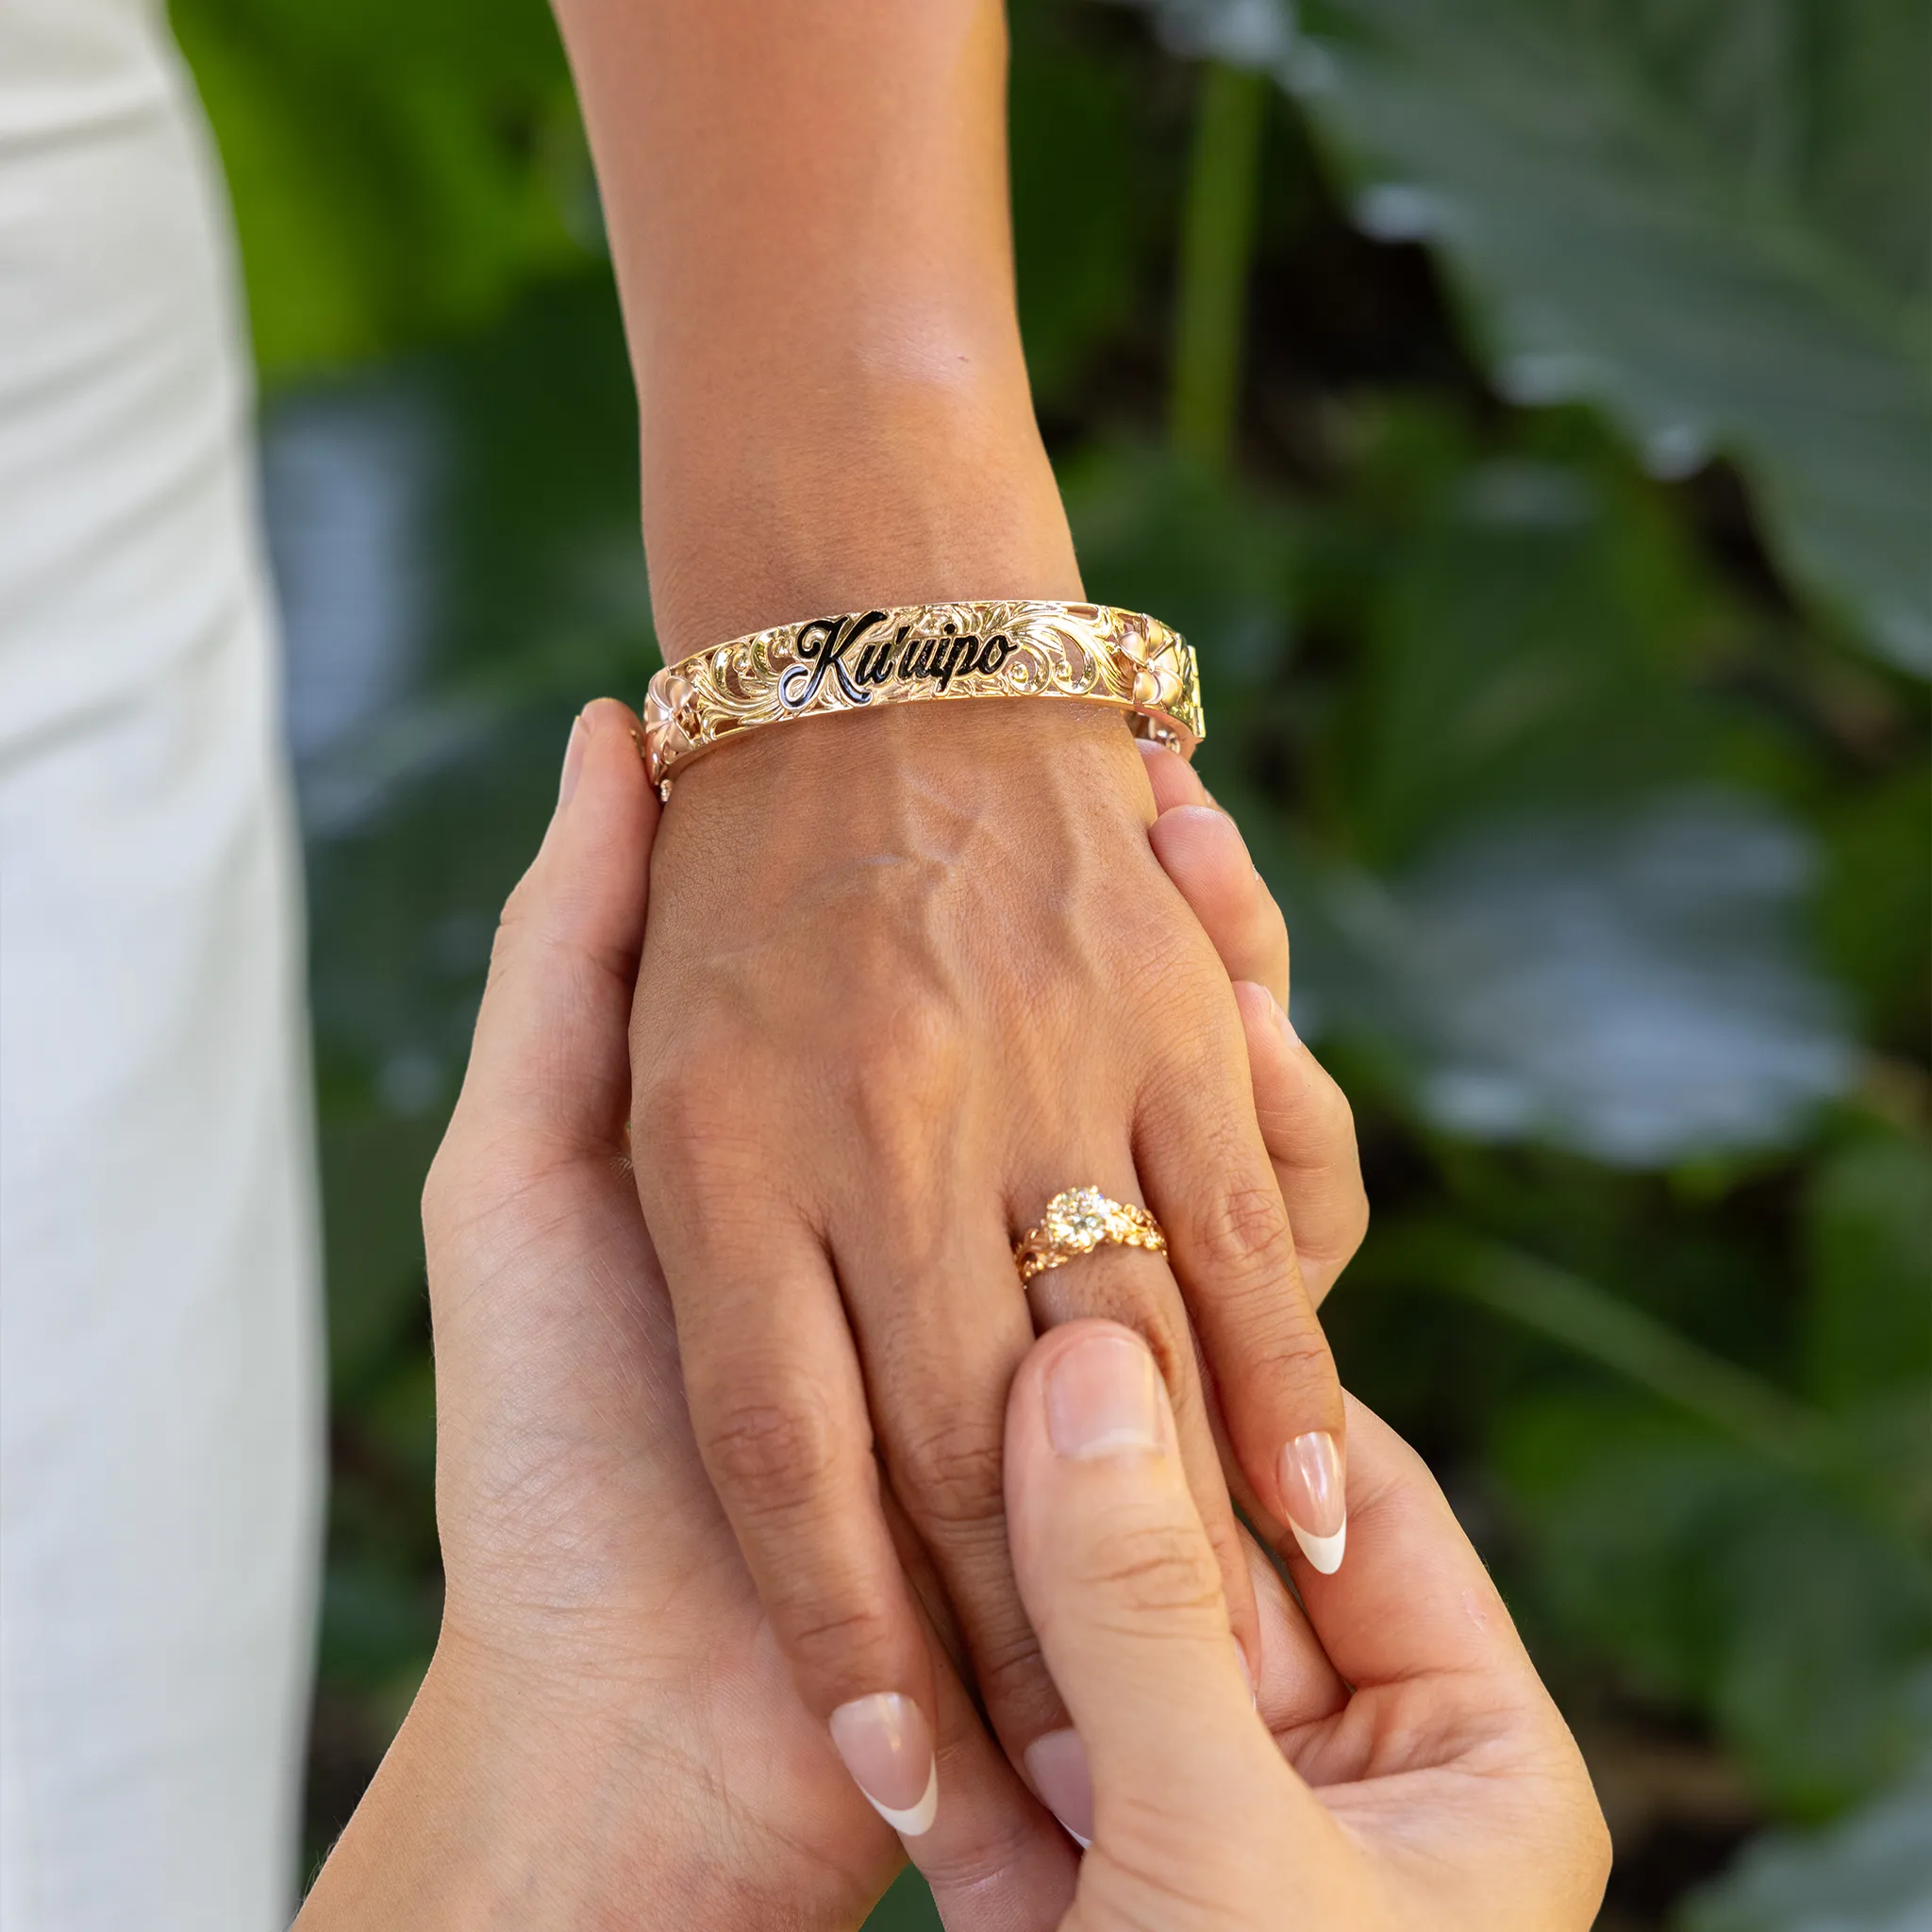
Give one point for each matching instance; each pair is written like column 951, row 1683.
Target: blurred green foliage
column 1524, row 407
column 398, row 172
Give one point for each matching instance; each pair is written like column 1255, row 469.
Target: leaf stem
column 1614, row 1333
column 1216, row 245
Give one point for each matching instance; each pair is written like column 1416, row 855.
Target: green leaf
column 1869, row 1872
column 1217, row 247
column 1715, row 1579
column 1089, row 199
column 1817, row 104
column 397, row 170
column 1868, row 1223
column 1536, row 626
column 1210, row 552
column 1720, row 246
column 1616, row 1334
column 1875, row 908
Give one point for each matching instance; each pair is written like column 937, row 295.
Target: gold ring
column 1077, row 1221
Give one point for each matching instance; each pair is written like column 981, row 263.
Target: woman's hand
column 915, row 971
column 607, row 1733
column 1401, row 1769
column 608, row 1723
column 910, row 976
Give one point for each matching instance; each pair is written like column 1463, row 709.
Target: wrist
column 864, row 488
column 487, row 1811
column 912, row 812
column 886, row 769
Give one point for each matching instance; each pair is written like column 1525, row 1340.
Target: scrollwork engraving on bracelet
column 1086, row 652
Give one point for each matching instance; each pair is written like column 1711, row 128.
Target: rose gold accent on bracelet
column 920, row 652
column 1077, row 1221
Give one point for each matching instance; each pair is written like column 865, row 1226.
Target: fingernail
column 1314, row 1500
column 887, row 1746
column 1225, row 827
column 1057, row 1766
column 1103, row 1398
column 573, row 760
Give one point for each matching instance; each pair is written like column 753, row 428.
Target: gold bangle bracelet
column 919, row 652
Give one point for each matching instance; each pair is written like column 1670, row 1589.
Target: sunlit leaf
column 1869, row 1872
column 1722, row 1580
column 397, row 170
column 1629, row 987
column 1711, row 239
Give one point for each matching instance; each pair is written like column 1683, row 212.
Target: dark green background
column 1524, row 407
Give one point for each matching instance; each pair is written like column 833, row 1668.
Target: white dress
column 159, row 1401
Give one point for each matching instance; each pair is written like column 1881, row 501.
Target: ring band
column 1077, row 1221
column 1087, row 652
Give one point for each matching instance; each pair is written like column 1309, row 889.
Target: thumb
column 549, row 1064
column 1122, row 1589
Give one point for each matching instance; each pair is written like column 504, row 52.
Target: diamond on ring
column 1077, row 1218
column 1077, row 1221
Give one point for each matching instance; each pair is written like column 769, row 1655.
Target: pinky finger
column 995, row 1856
column 1309, row 1130
column 1174, row 781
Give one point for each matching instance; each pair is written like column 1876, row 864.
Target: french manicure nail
column 887, row 1746
column 1314, row 1500
column 1056, row 1765
column 573, row 760
column 1103, row 1398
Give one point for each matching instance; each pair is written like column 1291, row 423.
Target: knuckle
column 441, row 1189
column 1598, row 1852
column 780, row 1466
column 465, row 1187
column 677, row 1100
column 1299, row 1357
column 833, row 1639
column 510, row 923
column 1160, row 958
column 776, row 1457
column 1156, row 1568
column 951, row 1477
column 904, row 1070
column 1013, row 1680
column 693, row 1125
column 1334, row 1122
column 990, row 1851
column 1242, row 1231
column 1356, row 1229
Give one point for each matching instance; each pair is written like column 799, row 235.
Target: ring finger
column 1137, row 1288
